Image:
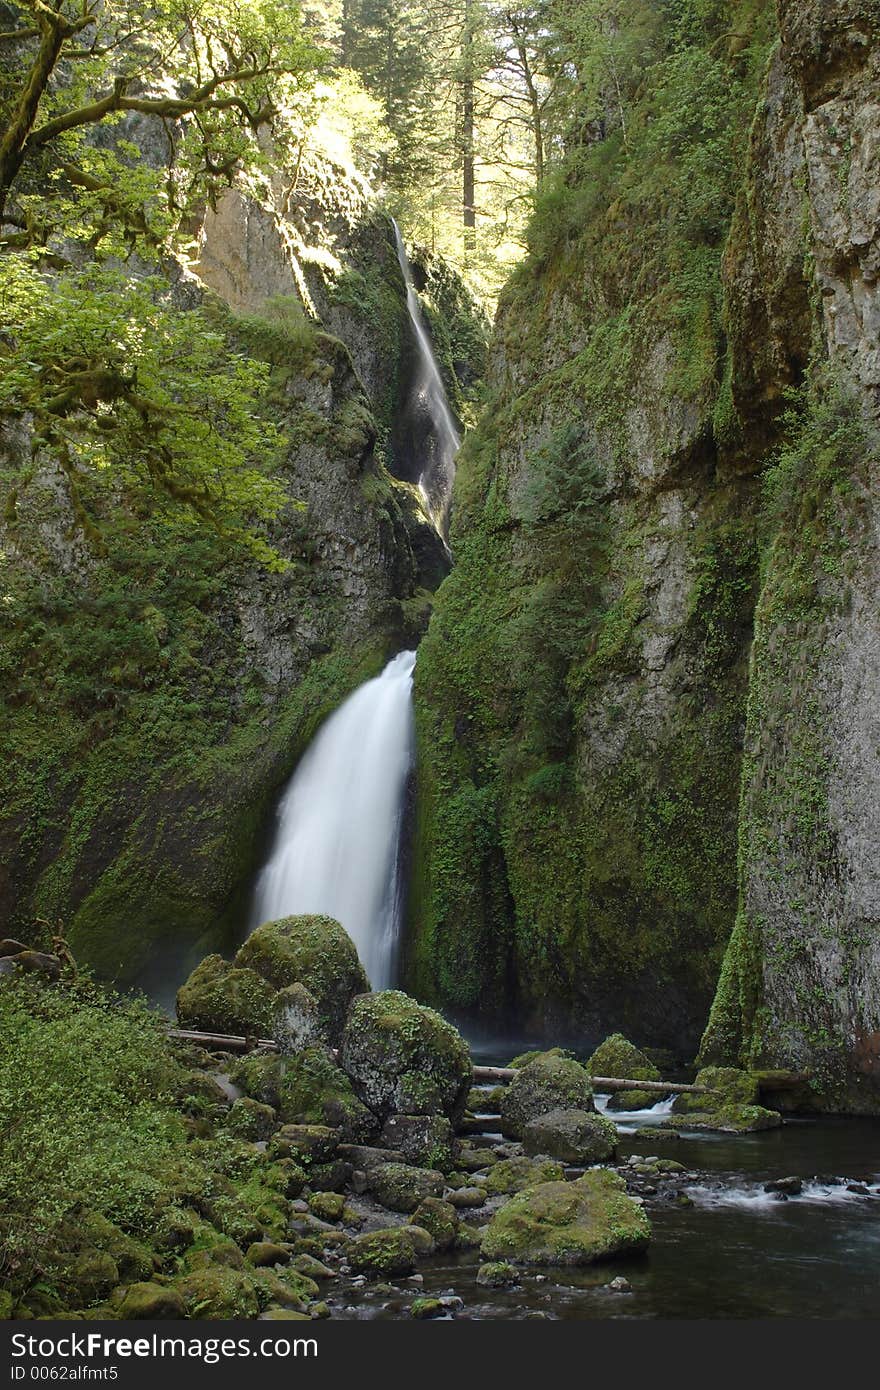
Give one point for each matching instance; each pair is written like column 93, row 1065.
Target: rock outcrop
column 647, row 701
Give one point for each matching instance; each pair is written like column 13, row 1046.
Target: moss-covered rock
column 250, row 1119
column 572, row 1136
column 439, row 1218
column 312, row 1089
column 405, row 1058
column 516, row 1174
column 149, row 1301
column 312, row 951
column 400, row 1187
column 426, row 1141
column 574, row 1223
column 220, row 998
column 618, row 1057
column 259, row 1075
column 733, row 1119
column 722, row 1086
column 546, row 1082
column 382, row 1254
column 266, row 1253
column 307, row 1144
column 327, row 1206
column 219, row 1293
column 497, row 1274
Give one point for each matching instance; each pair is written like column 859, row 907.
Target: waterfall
column 338, row 835
column 438, row 467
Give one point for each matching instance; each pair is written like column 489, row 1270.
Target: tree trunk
column 24, row 110
column 468, row 199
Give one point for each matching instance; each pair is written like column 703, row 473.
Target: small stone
column 465, row 1197
column 620, row 1285
column 263, row 1253
column 427, row 1308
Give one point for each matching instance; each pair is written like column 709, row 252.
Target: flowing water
column 338, row 836
column 735, row 1251
column 441, row 443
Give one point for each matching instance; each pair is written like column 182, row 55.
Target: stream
column 735, row 1252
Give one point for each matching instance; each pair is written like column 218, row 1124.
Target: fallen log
column 600, row 1083
column 222, row 1042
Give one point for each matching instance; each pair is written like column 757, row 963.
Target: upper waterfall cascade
column 338, row 836
column 437, row 472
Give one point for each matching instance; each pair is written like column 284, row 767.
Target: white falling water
column 337, row 844
column 438, row 473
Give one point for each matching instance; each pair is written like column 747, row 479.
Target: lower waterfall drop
column 337, row 844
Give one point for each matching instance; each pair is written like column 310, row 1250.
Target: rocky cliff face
column 800, row 986
column 160, row 685
column 674, row 498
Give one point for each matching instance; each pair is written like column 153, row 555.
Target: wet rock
column 497, row 1274
column 428, row 1308
column 465, row 1197
column 219, row 1293
column 312, row 1267
column 266, row 1252
column 568, row 1223
column 403, row 1058
column 426, row 1141
column 364, row 1157
column 572, row 1136
column 515, row 1174
column 440, row 1219
column 249, row 1119
column 423, row 1242
column 791, row 1187
column 617, row 1056
column 386, row 1253
column 401, row 1187
column 219, row 998
column 548, row 1082
column 327, row 1206
column 620, row 1285
column 312, row 951
column 312, row 1143
column 150, row 1302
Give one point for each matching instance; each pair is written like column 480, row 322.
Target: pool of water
column 736, row 1252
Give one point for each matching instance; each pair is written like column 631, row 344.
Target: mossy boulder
column 400, row 1187
column 312, row 1089
column 306, row 1144
column 220, row 998
column 617, row 1056
column 219, row 1293
column 266, row 1253
column 522, row 1059
column 722, row 1086
column 287, row 1288
column 734, row 1119
column 259, row 1075
column 572, row 1136
column 148, row 1302
column 404, row 1058
column 382, row 1254
column 427, row 1141
column 568, row 1223
column 439, row 1218
column 516, row 1174
column 314, row 952
column 327, row 1206
column 251, row 1120
column 497, row 1274
column 547, row 1082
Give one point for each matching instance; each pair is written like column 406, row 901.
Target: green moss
column 381, row 1254
column 560, row 1223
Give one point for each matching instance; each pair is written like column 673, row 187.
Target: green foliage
column 85, row 1081
column 138, row 395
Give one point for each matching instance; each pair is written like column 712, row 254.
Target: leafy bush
column 85, row 1115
